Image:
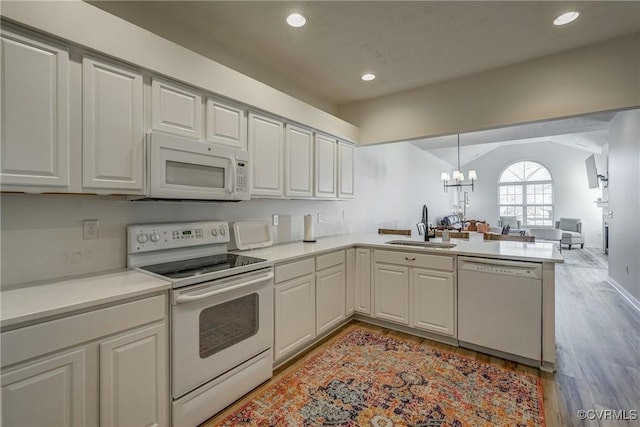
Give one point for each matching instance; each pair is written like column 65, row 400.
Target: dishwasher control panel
column 504, row 268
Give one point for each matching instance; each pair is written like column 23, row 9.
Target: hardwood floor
column 598, row 351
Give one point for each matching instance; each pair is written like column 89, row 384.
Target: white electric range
column 221, row 313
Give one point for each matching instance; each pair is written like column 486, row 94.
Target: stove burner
column 199, row 266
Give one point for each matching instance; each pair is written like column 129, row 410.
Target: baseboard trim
column 625, row 294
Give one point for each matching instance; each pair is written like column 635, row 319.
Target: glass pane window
column 226, row 324
column 525, row 189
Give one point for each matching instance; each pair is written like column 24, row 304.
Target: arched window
column 525, row 190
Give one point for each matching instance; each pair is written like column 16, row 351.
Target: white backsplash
column 42, row 234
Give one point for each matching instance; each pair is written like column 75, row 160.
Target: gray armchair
column 571, row 231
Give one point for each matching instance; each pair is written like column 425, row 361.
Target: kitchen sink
column 422, row 244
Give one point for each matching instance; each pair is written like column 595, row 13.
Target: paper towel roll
column 309, row 235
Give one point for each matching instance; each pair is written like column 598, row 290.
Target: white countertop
column 475, row 246
column 43, row 300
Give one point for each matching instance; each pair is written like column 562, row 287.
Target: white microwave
column 180, row 168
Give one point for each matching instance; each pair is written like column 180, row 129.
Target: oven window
column 192, row 175
column 224, row 325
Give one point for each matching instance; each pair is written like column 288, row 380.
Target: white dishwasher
column 500, row 308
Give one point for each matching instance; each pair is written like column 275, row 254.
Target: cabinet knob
column 409, row 259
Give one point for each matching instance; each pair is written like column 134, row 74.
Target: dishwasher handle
column 533, row 271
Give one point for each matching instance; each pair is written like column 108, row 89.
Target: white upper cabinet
column 346, row 171
column 35, row 115
column 298, row 158
column 176, row 109
column 226, row 124
column 112, row 127
column 266, row 150
column 326, row 167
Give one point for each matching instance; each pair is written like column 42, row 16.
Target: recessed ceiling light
column 296, row 20
column 566, row 17
column 368, row 77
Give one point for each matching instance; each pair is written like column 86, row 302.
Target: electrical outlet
column 319, row 218
column 274, row 219
column 90, row 229
column 344, row 214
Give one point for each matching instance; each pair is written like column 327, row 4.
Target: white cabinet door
column 112, row 127
column 363, row 281
column 134, row 375
column 48, row 392
column 226, row 124
column 295, row 314
column 298, row 164
column 433, row 301
column 35, row 114
column 330, row 295
column 326, row 167
column 346, row 171
column 350, row 297
column 176, row 109
column 265, row 148
column 391, row 293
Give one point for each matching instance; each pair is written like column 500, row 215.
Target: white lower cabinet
column 362, row 283
column 106, row 367
column 415, row 289
column 350, row 276
column 330, row 296
column 133, row 379
column 295, row 314
column 433, row 300
column 391, row 293
column 48, row 392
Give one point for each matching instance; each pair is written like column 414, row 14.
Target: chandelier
column 458, row 176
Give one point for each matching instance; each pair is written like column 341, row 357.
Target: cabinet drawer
column 437, row 262
column 32, row 341
column 295, row 269
column 329, row 260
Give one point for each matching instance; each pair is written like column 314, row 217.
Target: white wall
column 624, row 201
column 572, row 196
column 599, row 77
column 42, row 234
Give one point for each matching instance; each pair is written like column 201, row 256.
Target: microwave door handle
column 232, row 166
column 182, row 299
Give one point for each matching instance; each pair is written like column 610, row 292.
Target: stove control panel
column 156, row 237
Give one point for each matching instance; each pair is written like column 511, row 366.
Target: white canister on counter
column 309, row 234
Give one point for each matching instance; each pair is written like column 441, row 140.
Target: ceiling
column 586, row 133
column 406, row 44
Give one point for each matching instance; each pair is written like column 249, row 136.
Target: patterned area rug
column 367, row 379
column 587, row 257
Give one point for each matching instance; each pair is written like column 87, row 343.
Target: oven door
column 218, row 325
column 184, row 169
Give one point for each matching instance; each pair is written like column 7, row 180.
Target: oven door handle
column 182, row 299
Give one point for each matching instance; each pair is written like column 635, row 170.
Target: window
column 525, row 190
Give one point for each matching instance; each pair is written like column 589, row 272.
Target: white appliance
column 221, row 313
column 500, row 307
column 181, row 168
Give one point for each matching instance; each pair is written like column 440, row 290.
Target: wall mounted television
column 592, row 173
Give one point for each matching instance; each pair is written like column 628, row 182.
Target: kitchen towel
column 309, row 235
